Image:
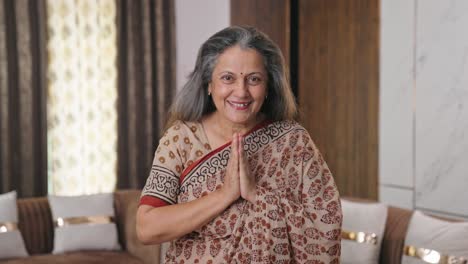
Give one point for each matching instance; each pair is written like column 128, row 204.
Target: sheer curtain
column 82, row 95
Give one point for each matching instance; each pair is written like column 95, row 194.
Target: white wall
column 196, row 21
column 424, row 105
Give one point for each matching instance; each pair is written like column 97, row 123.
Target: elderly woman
column 235, row 179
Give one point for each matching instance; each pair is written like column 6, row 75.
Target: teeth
column 240, row 105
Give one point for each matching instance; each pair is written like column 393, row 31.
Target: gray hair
column 193, row 101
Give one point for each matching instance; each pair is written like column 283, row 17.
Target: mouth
column 239, row 105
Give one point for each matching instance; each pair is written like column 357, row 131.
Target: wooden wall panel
column 269, row 16
column 332, row 48
column 338, row 88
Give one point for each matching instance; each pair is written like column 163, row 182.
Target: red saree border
column 152, row 201
column 213, row 152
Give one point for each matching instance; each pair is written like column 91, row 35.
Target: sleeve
column 312, row 211
column 162, row 184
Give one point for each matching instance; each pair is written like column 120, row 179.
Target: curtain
column 81, row 96
column 23, row 146
column 146, row 84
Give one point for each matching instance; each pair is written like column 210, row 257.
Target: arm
column 160, row 224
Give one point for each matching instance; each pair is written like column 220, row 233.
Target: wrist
column 252, row 196
column 225, row 196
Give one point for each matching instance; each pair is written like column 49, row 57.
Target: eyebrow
column 246, row 74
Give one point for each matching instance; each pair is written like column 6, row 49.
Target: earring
column 266, row 96
column 209, row 93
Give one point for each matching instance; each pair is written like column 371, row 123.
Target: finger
column 241, row 152
column 235, row 150
column 240, row 144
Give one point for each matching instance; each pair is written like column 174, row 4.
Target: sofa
column 393, row 241
column 36, row 226
column 397, row 229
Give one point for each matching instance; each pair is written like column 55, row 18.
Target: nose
column 242, row 88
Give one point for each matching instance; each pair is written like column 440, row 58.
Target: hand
column 247, row 181
column 231, row 186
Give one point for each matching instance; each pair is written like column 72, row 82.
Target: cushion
column 437, row 237
column 84, row 223
column 363, row 230
column 11, row 241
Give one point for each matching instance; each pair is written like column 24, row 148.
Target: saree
column 296, row 217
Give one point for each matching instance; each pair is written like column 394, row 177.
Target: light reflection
column 430, row 256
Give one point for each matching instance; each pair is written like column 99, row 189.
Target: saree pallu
column 296, row 217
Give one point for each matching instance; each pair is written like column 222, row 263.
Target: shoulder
column 293, row 131
column 181, row 128
column 290, row 125
column 183, row 135
column 173, row 135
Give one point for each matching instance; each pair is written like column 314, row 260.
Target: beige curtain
column 146, row 85
column 23, row 146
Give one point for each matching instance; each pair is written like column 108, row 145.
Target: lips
column 239, row 105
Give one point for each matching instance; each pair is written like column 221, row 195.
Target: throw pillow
column 431, row 240
column 84, row 223
column 11, row 240
column 362, row 231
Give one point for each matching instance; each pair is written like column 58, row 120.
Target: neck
column 227, row 129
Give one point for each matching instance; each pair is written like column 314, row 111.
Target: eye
column 227, row 78
column 254, row 80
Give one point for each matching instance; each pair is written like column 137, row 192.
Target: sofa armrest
column 395, row 233
column 126, row 204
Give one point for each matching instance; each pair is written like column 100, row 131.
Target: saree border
column 276, row 130
column 218, row 149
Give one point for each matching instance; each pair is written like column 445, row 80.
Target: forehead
column 239, row 59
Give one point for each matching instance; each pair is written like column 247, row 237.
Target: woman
column 234, row 178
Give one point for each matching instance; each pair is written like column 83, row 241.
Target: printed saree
column 297, row 214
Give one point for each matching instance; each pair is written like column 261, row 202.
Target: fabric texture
column 34, row 215
column 81, row 96
column 88, row 257
column 11, row 242
column 146, row 83
column 296, row 215
column 448, row 238
column 126, row 204
column 23, row 148
column 35, row 223
column 367, row 218
column 84, row 236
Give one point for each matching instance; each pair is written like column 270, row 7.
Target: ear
column 209, row 88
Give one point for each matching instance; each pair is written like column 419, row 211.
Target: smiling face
column 238, row 86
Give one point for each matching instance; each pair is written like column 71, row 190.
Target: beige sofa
column 396, row 228
column 36, row 226
column 394, row 237
column 35, row 223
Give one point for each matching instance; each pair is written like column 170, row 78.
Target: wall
column 338, row 88
column 424, row 105
column 196, row 21
column 270, row 16
column 333, row 51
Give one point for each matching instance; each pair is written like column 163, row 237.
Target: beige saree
column 297, row 214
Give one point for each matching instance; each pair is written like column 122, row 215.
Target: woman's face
column 238, row 85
